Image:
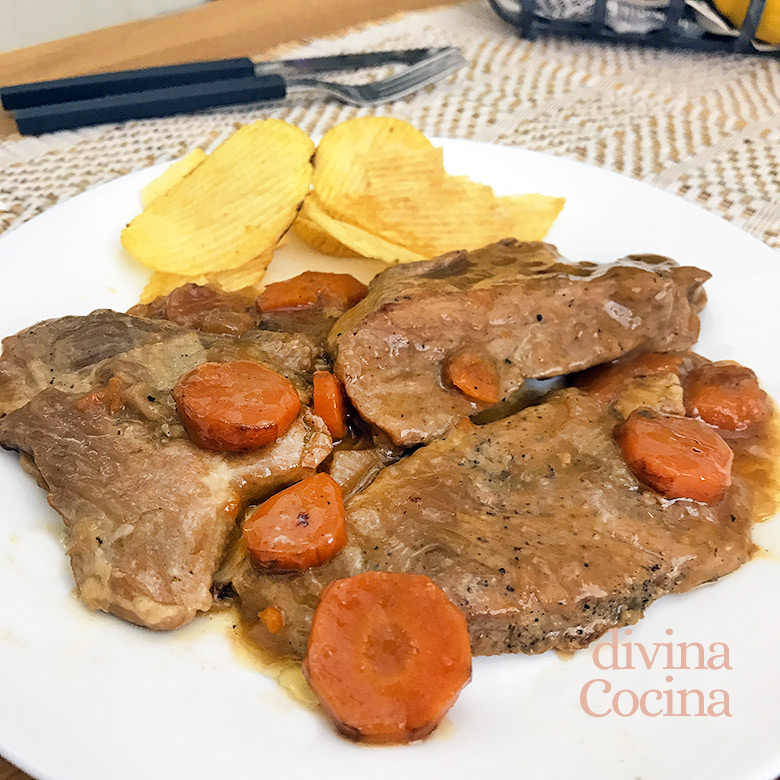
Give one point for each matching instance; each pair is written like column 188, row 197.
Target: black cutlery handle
column 145, row 105
column 105, row 84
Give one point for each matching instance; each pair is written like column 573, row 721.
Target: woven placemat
column 706, row 127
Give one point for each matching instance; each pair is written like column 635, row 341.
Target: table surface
column 221, row 28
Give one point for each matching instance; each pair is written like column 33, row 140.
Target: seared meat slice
column 147, row 517
column 147, row 512
column 532, row 525
column 520, row 307
column 65, row 353
column 61, row 353
column 203, row 308
column 211, row 311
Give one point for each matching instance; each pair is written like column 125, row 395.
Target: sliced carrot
column 330, row 404
column 301, row 527
column 91, row 400
column 272, row 618
column 726, row 395
column 310, row 289
column 111, row 396
column 388, row 654
column 608, row 381
column 475, row 376
column 235, row 406
column 677, row 456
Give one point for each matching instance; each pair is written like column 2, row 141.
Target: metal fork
column 264, row 82
column 413, row 78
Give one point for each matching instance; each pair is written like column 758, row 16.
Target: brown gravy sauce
column 286, row 671
column 757, row 463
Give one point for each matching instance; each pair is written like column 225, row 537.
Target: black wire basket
column 676, row 29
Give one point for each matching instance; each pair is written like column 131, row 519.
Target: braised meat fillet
column 70, row 353
column 309, row 303
column 147, row 512
column 533, row 525
column 439, row 340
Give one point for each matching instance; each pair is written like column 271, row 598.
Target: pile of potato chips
column 381, row 191
column 377, row 188
column 215, row 219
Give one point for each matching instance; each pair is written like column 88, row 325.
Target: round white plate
column 84, row 696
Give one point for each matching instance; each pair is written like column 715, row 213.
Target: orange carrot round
column 272, row 618
column 330, row 404
column 300, row 527
column 475, row 376
column 310, row 289
column 235, row 406
column 608, row 381
column 387, row 656
column 677, row 456
column 726, row 395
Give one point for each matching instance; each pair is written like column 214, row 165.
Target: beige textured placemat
column 706, row 127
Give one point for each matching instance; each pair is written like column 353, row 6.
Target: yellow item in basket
column 382, row 191
column 173, row 175
column 233, row 207
column 769, row 27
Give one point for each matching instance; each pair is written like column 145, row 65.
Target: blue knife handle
column 144, row 105
column 105, row 84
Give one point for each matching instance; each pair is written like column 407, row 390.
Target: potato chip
column 248, row 275
column 233, row 207
column 397, row 169
column 384, row 178
column 318, row 238
column 343, row 151
column 173, row 175
column 530, row 216
column 362, row 242
column 458, row 214
column 244, row 277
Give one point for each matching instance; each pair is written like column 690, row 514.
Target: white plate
column 84, row 696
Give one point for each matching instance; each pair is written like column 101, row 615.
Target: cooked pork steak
column 66, row 353
column 147, row 517
column 203, row 308
column 211, row 311
column 62, row 353
column 533, row 525
column 519, row 306
column 147, row 512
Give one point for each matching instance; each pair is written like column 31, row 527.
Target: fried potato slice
column 386, row 180
column 233, row 207
column 342, row 153
column 362, row 242
column 318, row 238
column 173, row 175
column 244, row 277
column 248, row 275
column 458, row 214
